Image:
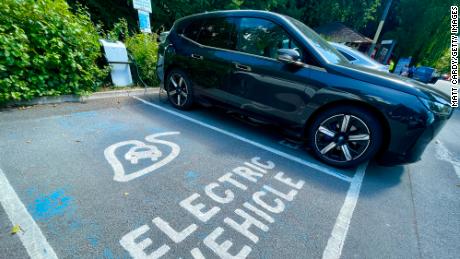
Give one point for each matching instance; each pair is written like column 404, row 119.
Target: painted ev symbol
column 141, row 151
column 147, row 151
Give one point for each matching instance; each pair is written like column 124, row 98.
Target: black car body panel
column 292, row 95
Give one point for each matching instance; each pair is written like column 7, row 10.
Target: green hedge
column 144, row 49
column 45, row 49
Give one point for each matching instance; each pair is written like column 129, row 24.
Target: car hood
column 378, row 67
column 389, row 80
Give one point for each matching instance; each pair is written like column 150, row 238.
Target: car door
column 187, row 53
column 266, row 85
column 211, row 67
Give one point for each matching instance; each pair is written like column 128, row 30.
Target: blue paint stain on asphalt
column 49, row 206
column 87, row 114
column 93, row 121
column 108, row 254
column 93, row 241
column 12, row 135
column 191, row 176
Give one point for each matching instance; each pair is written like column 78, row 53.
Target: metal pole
column 379, row 29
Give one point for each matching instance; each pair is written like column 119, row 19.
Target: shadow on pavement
column 379, row 178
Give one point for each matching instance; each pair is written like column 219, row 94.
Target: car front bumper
column 417, row 143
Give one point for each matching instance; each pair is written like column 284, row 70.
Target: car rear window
column 219, row 33
column 193, row 29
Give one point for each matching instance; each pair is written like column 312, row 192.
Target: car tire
column 179, row 89
column 345, row 136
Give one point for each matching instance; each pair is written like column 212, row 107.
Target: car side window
column 262, row 37
column 193, row 29
column 219, row 33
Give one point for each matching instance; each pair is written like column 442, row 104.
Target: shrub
column 144, row 50
column 119, row 31
column 46, row 50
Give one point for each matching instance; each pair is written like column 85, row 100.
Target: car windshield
column 326, row 50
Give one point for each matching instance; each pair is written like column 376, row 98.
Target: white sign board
column 144, row 5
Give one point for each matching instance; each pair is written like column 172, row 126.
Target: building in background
column 338, row 32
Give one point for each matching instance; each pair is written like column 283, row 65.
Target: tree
column 108, row 12
column 420, row 26
column 422, row 30
column 355, row 13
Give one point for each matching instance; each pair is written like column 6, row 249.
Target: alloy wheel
column 177, row 89
column 342, row 138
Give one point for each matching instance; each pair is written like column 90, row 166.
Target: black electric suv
column 274, row 68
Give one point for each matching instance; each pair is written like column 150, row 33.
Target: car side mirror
column 289, row 56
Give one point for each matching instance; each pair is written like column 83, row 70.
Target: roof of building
column 338, row 32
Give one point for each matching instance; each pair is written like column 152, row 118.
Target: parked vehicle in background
column 358, row 58
column 426, row 74
column 274, row 68
column 445, row 77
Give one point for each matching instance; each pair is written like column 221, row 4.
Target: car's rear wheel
column 345, row 136
column 179, row 89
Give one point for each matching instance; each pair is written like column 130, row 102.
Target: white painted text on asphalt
column 252, row 218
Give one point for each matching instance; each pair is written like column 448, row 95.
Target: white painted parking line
column 323, row 169
column 336, row 241
column 31, row 236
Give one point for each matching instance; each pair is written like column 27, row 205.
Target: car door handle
column 195, row 56
column 242, row 67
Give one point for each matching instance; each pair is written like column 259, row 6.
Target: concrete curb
column 94, row 96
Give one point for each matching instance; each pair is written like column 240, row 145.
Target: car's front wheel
column 345, row 136
column 179, row 89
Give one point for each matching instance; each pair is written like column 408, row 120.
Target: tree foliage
column 422, row 30
column 355, row 13
column 46, row 50
column 108, row 12
column 144, row 48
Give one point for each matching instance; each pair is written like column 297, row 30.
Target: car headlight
column 436, row 107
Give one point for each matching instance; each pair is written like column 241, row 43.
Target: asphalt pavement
column 130, row 177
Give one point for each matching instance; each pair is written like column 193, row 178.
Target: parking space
column 126, row 177
column 137, row 180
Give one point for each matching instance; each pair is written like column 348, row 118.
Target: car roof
column 233, row 13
